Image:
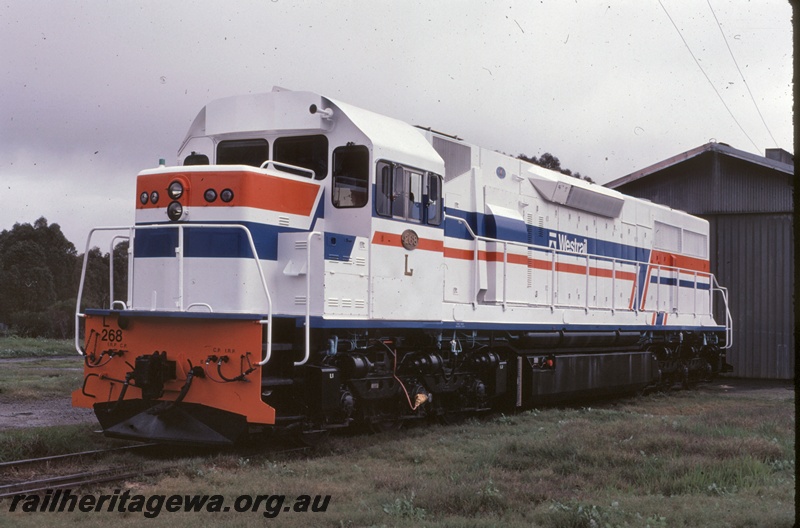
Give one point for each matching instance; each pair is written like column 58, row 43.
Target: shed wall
column 753, row 256
column 750, row 209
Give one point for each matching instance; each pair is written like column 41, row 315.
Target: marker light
column 144, row 197
column 175, row 211
column 154, row 197
column 175, row 190
column 226, row 195
column 210, row 195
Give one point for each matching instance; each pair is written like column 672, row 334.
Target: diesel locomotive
column 309, row 265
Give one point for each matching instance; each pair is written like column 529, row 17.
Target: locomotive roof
column 287, row 110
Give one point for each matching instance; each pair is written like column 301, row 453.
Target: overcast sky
column 95, row 91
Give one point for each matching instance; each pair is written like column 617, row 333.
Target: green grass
column 14, row 347
column 693, row 458
column 20, row 444
column 39, row 379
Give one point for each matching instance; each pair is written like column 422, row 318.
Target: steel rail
column 77, row 480
column 28, row 461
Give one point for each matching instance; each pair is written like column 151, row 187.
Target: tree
column 36, row 274
column 39, row 278
column 548, row 161
column 95, row 285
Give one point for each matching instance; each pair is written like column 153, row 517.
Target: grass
column 693, row 458
column 19, row 444
column 15, row 347
column 49, row 368
column 39, row 379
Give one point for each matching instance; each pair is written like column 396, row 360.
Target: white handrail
column 728, row 317
column 311, row 235
column 111, row 270
column 179, row 253
column 78, row 314
column 293, row 167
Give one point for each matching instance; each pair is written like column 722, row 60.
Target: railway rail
column 70, row 456
column 93, row 476
column 52, row 482
column 83, row 478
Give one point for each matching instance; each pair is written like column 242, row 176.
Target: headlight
column 175, row 211
column 144, row 197
column 210, row 195
column 154, row 197
column 175, row 190
column 226, row 195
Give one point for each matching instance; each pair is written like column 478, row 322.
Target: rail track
column 82, row 478
column 70, row 456
column 75, row 480
column 94, row 476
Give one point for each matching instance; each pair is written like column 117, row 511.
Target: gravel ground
column 57, row 411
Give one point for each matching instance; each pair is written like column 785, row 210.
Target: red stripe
column 250, row 189
column 381, row 238
column 671, row 260
column 513, row 258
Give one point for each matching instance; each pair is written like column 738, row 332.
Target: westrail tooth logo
column 564, row 242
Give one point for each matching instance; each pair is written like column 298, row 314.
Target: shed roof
column 721, row 148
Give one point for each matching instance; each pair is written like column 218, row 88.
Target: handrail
column 311, row 235
column 476, row 273
column 179, row 253
column 728, row 318
column 293, row 167
column 111, row 270
column 78, row 314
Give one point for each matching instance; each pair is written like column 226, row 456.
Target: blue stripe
column 217, row 242
column 339, row 246
column 491, row 226
column 211, row 242
column 504, row 228
column 683, row 284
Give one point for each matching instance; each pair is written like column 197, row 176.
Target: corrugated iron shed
column 748, row 202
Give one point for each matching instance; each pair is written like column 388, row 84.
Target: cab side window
column 350, row 176
column 433, row 199
column 383, row 189
column 408, row 194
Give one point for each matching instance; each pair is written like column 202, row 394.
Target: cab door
column 346, row 237
column 407, row 244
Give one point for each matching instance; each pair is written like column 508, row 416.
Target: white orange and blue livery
column 310, row 265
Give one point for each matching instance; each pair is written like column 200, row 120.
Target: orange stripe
column 513, row 258
column 393, row 239
column 250, row 189
column 278, row 194
column 671, row 260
